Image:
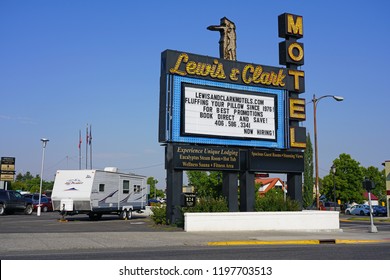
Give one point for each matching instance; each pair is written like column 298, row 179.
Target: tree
column 23, row 178
column 206, row 184
column 308, row 184
column 379, row 179
column 26, row 182
column 347, row 180
column 153, row 189
column 18, row 185
column 34, row 183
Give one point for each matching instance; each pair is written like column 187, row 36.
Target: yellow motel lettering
column 297, row 109
column 214, row 70
column 249, row 74
column 293, row 142
column 295, row 25
column 295, row 52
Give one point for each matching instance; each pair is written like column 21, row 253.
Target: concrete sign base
column 257, row 221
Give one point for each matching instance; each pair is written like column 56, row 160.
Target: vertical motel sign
column 291, row 54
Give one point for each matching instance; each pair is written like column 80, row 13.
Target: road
column 272, row 252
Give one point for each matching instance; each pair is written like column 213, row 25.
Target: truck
column 99, row 192
column 12, row 201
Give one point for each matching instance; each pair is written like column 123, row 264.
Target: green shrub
column 274, row 201
column 208, row 204
column 202, row 205
column 159, row 215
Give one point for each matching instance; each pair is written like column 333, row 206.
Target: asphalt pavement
column 11, row 242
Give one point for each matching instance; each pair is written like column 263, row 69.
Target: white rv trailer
column 98, row 192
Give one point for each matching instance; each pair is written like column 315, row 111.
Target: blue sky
column 66, row 64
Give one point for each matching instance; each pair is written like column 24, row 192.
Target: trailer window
column 101, row 187
column 126, row 186
column 137, row 188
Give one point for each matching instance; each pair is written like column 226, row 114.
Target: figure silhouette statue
column 227, row 42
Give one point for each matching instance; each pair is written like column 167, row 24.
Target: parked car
column 46, row 204
column 358, row 209
column 379, row 210
column 12, row 201
column 27, row 195
column 325, row 205
column 152, row 202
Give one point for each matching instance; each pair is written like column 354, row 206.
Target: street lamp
column 315, row 101
column 333, row 170
column 44, row 142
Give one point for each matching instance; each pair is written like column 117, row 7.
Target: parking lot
column 50, row 223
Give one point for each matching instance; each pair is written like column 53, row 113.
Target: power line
column 145, row 167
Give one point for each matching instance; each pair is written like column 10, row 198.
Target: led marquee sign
column 207, row 112
column 220, row 113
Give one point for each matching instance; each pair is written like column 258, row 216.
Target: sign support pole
column 294, row 184
column 230, row 190
column 174, row 188
column 247, row 184
column 247, row 191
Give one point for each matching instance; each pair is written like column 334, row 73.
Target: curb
column 293, row 242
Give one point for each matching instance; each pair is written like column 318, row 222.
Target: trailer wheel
column 123, row 215
column 129, row 215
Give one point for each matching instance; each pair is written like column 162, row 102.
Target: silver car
column 358, row 209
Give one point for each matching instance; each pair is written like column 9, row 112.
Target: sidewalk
column 87, row 240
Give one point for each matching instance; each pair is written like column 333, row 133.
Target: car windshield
column 17, row 195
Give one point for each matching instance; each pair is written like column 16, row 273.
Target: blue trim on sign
column 280, row 142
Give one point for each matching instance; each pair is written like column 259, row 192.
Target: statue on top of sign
column 227, row 43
